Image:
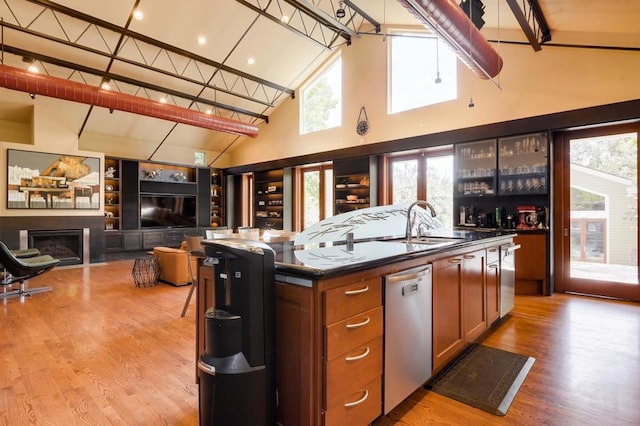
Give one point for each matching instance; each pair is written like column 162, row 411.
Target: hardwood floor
column 98, row 351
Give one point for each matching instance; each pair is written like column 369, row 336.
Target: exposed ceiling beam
column 59, row 88
column 266, row 92
column 124, row 79
column 532, row 21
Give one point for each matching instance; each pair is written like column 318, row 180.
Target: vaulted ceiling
column 160, row 56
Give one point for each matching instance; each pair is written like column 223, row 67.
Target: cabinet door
column 474, row 317
column 531, row 263
column 447, row 309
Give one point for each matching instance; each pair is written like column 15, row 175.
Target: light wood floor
column 98, row 351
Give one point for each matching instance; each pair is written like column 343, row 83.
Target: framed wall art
column 40, row 180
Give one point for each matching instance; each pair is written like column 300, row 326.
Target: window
column 426, row 175
column 321, row 103
column 317, row 194
column 416, row 60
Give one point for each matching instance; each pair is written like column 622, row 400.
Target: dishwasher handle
column 511, row 249
column 410, row 274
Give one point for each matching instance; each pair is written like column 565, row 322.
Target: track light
column 471, row 104
column 340, row 12
column 106, row 84
column 110, row 110
column 32, row 95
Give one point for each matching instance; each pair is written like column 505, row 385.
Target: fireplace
column 68, row 245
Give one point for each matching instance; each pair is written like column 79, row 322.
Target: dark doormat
column 483, row 377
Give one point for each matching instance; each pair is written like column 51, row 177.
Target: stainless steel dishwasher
column 507, row 277
column 407, row 333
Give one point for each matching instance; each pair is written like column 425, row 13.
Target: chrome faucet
column 420, row 203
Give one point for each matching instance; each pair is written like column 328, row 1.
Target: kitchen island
column 330, row 316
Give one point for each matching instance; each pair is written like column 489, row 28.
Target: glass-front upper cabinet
column 523, row 164
column 476, row 168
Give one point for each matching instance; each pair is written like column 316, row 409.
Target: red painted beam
column 39, row 84
column 449, row 19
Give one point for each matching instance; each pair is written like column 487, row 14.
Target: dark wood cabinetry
column 126, row 181
column 217, row 206
column 353, row 187
column 494, row 177
column 269, row 199
column 112, row 194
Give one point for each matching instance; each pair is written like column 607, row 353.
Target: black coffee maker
column 237, row 371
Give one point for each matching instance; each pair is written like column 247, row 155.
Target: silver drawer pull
column 455, row 260
column 366, row 321
column 358, row 402
column 469, row 256
column 357, row 357
column 352, row 292
column 493, row 266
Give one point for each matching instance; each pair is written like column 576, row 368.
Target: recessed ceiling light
column 251, row 61
column 284, row 19
column 202, row 40
column 137, row 14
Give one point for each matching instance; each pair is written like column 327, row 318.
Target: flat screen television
column 161, row 211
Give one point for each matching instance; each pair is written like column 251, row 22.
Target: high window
column 422, row 71
column 321, row 104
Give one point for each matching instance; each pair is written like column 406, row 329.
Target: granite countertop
column 324, row 260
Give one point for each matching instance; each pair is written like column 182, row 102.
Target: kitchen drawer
column 352, row 371
column 362, row 406
column 346, row 301
column 345, row 336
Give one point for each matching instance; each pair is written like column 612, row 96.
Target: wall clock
column 362, row 126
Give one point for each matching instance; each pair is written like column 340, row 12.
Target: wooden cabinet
column 465, row 301
column 269, row 199
column 493, row 284
column 353, row 188
column 217, row 207
column 474, row 305
column 353, row 331
column 112, row 194
column 330, row 349
column 532, row 263
column 475, row 169
column 448, row 337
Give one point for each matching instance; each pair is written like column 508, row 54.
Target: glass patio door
column 599, row 212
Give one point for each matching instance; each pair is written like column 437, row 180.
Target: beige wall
column 532, row 83
column 50, row 134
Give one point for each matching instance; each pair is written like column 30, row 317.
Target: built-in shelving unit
column 352, row 184
column 150, row 204
column 217, row 199
column 493, row 178
column 269, row 199
column 112, row 194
